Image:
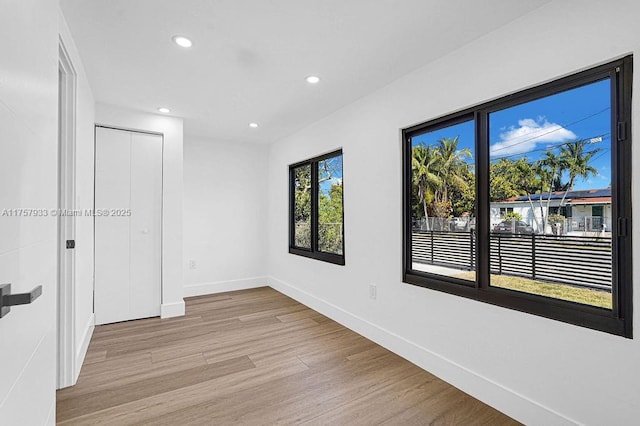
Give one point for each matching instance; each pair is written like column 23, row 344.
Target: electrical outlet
column 192, row 264
column 373, row 291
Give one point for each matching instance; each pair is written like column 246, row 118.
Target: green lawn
column 585, row 296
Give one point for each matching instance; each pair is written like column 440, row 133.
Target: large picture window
column 316, row 225
column 524, row 202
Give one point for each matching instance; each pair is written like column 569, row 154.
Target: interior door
column 128, row 225
column 146, row 225
column 28, row 193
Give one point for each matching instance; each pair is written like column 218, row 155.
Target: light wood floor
column 255, row 357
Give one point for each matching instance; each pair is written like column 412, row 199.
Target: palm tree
column 577, row 163
column 527, row 180
column 550, row 169
column 451, row 161
column 422, row 162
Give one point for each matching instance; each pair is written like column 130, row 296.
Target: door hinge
column 622, row 131
column 71, row 244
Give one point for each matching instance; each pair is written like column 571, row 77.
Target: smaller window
column 316, row 217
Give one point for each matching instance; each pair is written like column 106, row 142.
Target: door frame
column 66, row 319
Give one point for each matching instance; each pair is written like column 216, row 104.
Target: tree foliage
column 302, row 206
column 508, row 178
column 330, row 211
column 576, row 161
column 443, row 180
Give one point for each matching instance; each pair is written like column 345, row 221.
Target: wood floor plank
column 320, row 389
column 385, row 401
column 165, row 382
column 255, row 357
column 108, row 380
column 95, row 356
column 157, row 409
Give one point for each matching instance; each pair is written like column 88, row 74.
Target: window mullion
column 621, row 242
column 482, row 200
column 616, row 198
column 314, row 206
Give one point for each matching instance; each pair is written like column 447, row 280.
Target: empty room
column 383, row 212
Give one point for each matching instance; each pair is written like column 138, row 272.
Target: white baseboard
column 170, row 310
column 202, row 289
column 494, row 394
column 84, row 346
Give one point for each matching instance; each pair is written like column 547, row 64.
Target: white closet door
column 112, row 247
column 128, row 266
column 146, row 224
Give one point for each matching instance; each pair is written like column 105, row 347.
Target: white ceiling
column 250, row 57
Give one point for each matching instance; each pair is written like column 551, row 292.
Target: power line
column 604, row 136
column 560, row 127
column 604, row 151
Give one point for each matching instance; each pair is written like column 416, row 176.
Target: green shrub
column 513, row 215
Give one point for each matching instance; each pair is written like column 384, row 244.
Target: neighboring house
column 584, row 211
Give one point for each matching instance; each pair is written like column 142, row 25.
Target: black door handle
column 7, row 299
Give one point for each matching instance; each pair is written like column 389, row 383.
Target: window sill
column 592, row 317
column 336, row 259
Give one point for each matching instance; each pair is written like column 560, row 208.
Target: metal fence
column 451, row 249
column 583, row 261
column 454, row 224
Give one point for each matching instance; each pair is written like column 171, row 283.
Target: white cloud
column 529, row 133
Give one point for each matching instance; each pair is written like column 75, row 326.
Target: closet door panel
column 146, row 225
column 112, row 242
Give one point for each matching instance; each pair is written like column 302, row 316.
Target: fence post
column 499, row 254
column 533, row 256
column 431, row 246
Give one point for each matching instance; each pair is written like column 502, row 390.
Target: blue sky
column 335, row 167
column 530, row 129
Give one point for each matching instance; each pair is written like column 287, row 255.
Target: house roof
column 587, row 195
column 593, row 200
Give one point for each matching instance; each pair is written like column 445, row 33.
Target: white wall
column 538, row 370
column 28, row 179
column 225, row 218
column 172, row 187
column 84, row 130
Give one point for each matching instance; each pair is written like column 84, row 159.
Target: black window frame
column 619, row 319
column 313, row 252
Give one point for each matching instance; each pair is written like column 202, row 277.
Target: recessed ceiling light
column 164, row 110
column 253, row 125
column 182, row 41
column 313, row 79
